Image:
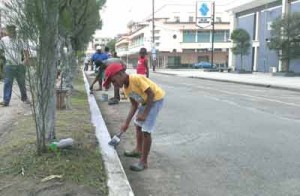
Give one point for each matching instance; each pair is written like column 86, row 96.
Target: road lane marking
column 242, row 94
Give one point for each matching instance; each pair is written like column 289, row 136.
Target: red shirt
column 141, row 66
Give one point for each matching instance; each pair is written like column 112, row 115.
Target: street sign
column 204, row 12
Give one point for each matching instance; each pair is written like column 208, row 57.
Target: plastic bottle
column 65, row 143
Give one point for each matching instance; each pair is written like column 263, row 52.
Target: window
column 176, row 19
column 188, row 50
column 203, row 36
column 174, row 61
column 191, row 19
column 189, row 36
column 218, row 49
column 219, row 36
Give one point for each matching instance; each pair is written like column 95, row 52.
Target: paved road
column 216, row 139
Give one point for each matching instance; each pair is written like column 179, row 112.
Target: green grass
column 81, row 164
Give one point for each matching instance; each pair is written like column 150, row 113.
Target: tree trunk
column 45, row 99
column 70, row 67
column 242, row 67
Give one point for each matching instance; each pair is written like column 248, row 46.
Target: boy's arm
column 150, row 98
column 147, row 67
column 133, row 108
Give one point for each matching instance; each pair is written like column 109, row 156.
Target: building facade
column 99, row 39
column 256, row 18
column 177, row 39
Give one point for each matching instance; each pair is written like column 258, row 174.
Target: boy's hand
column 124, row 127
column 141, row 117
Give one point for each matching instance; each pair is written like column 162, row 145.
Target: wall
column 246, row 23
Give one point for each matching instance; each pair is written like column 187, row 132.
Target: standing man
column 15, row 58
column 86, row 62
column 142, row 65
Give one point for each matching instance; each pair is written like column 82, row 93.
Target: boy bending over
column 146, row 99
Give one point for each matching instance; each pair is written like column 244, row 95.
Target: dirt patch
column 80, row 169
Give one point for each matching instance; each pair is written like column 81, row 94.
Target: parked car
column 203, row 65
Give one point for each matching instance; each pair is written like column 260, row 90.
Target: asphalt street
column 216, row 139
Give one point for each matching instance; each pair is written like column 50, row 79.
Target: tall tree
column 78, row 21
column 112, row 45
column 285, row 38
column 241, row 41
column 37, row 21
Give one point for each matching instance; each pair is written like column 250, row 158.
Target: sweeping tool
column 116, row 139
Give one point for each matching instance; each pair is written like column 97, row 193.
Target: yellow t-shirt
column 138, row 84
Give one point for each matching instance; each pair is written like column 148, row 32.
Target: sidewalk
column 15, row 109
column 117, row 180
column 256, row 79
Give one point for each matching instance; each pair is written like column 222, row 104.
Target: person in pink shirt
column 142, row 65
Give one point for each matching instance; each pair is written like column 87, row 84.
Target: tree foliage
column 77, row 22
column 79, row 19
column 241, row 41
column 112, row 45
column 46, row 27
column 285, row 37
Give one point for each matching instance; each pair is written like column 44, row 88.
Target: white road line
column 245, row 95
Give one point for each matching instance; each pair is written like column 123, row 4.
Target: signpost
column 204, row 12
column 205, row 17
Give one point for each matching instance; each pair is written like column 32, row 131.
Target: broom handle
column 120, row 134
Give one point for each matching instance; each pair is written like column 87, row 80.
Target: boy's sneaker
column 3, row 104
column 132, row 153
column 138, row 166
column 113, row 101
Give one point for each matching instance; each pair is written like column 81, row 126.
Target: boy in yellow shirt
column 146, row 99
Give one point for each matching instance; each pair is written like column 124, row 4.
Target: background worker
column 142, row 65
column 98, row 58
column 15, row 58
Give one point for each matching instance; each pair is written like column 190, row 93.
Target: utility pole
column 153, row 22
column 153, row 51
column 213, row 33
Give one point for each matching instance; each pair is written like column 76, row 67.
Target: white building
column 178, row 40
column 99, row 39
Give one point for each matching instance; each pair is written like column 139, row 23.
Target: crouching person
column 146, row 99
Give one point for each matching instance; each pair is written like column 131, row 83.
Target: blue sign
column 204, row 9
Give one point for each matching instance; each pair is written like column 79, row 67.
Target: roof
column 249, row 5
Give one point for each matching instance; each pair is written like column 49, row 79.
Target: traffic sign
column 204, row 13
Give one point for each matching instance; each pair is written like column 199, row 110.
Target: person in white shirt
column 15, row 58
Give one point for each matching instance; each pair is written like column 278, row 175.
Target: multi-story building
column 256, row 18
column 177, row 39
column 99, row 39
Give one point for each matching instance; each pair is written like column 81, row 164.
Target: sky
column 117, row 13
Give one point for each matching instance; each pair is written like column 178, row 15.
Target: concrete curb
column 237, row 82
column 117, row 181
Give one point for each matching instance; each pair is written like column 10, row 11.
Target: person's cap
column 98, row 48
column 110, row 71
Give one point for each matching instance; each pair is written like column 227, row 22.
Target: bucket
column 104, row 97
